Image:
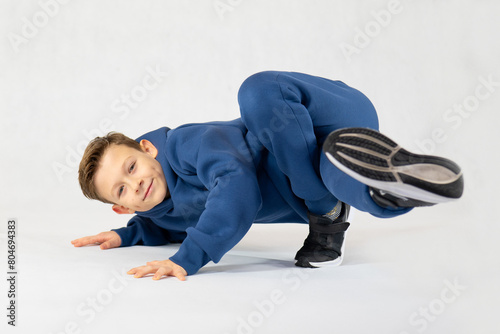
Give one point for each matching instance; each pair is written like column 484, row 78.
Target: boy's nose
column 139, row 186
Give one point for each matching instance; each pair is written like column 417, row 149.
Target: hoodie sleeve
column 142, row 231
column 221, row 160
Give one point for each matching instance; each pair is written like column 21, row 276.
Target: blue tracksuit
column 266, row 167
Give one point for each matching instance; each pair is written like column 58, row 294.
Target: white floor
column 431, row 271
column 431, row 69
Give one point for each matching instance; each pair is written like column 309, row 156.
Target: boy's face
column 132, row 179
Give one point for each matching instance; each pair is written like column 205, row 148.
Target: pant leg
column 353, row 192
column 282, row 124
column 291, row 114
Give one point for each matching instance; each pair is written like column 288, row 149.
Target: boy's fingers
column 87, row 240
column 132, row 271
column 166, row 271
column 80, row 242
column 77, row 241
column 110, row 244
column 138, row 273
column 180, row 276
column 144, row 270
column 160, row 272
column 135, row 270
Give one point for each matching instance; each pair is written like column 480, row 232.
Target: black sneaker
column 388, row 200
column 375, row 160
column 325, row 243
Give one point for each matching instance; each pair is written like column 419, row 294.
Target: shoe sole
column 377, row 161
column 333, row 263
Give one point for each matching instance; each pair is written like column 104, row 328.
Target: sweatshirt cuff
column 126, row 235
column 190, row 256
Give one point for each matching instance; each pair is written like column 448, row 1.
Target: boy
column 304, row 150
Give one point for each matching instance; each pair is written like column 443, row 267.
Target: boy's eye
column 120, row 191
column 131, row 168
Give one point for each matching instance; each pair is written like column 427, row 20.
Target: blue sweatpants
column 292, row 114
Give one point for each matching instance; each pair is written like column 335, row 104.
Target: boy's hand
column 159, row 268
column 107, row 240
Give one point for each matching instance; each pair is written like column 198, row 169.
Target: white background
column 64, row 68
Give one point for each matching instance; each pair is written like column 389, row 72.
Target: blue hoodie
column 220, row 182
column 266, row 167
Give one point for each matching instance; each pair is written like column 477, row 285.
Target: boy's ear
column 149, row 148
column 120, row 209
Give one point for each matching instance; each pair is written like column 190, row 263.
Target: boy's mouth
column 148, row 191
